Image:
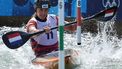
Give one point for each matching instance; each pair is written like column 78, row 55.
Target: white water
column 97, row 51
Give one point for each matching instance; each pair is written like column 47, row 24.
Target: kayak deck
column 51, row 62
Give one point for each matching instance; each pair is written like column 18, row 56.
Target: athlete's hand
column 47, row 29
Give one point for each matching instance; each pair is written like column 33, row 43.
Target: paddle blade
column 15, row 39
column 106, row 14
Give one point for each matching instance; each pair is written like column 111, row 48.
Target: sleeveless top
column 46, row 42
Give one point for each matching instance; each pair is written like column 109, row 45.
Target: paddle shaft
column 101, row 16
column 70, row 23
column 95, row 16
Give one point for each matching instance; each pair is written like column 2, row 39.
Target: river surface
column 97, row 51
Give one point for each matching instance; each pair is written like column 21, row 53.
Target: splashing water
column 16, row 58
column 97, row 51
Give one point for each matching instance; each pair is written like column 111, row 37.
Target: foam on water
column 16, row 58
column 97, row 51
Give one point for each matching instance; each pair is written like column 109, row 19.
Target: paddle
column 15, row 39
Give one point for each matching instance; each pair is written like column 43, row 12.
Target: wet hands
column 47, row 29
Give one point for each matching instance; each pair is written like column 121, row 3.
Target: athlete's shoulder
column 33, row 19
column 54, row 17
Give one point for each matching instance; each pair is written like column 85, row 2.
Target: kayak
column 50, row 61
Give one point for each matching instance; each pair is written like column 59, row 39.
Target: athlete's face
column 42, row 13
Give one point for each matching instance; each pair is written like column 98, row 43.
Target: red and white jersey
column 45, row 39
